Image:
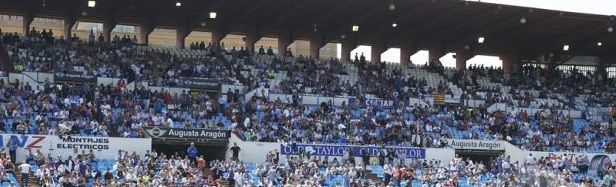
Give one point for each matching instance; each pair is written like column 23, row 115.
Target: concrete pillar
column 284, row 40
column 406, row 51
column 180, row 37
column 604, row 62
column 511, row 62
column 107, row 28
column 69, row 22
column 217, row 36
column 315, row 46
column 27, row 21
column 250, row 39
column 347, row 46
column 144, row 34
column 462, row 56
column 375, row 53
column 435, row 53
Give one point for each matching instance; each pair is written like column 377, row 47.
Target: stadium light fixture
column 355, row 28
column 481, row 39
column 523, row 20
column 599, row 44
column 566, row 47
column 178, row 3
column 392, row 6
column 610, row 29
column 213, row 15
column 91, row 3
column 394, row 25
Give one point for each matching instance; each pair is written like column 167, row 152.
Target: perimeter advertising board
column 103, row 147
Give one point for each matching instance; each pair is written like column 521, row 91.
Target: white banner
column 103, row 147
column 476, row 144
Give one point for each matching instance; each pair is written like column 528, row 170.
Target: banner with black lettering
column 184, row 133
column 102, row 147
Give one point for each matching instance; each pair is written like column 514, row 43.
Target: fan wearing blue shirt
column 192, row 153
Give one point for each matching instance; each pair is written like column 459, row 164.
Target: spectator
column 25, row 170
column 192, row 153
column 235, row 150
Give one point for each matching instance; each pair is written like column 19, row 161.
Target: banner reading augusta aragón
column 338, row 150
column 209, row 134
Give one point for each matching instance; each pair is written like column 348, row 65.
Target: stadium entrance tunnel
column 484, row 156
column 209, row 150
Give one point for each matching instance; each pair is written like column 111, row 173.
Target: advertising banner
column 201, row 83
column 70, row 77
column 183, row 133
column 476, row 144
column 338, row 150
column 103, row 147
column 379, row 103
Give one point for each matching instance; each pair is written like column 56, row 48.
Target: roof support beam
column 516, row 31
column 156, row 16
column 487, row 28
column 386, row 26
column 446, row 34
column 355, row 19
column 246, row 13
column 415, row 30
column 555, row 45
column 280, row 19
column 115, row 16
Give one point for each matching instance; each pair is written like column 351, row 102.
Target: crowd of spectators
column 100, row 109
column 119, row 59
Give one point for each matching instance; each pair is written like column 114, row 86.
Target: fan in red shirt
column 400, row 174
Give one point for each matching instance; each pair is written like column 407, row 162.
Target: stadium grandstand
column 267, row 93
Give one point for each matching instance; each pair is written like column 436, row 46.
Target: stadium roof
column 421, row 23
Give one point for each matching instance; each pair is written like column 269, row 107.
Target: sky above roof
column 602, row 7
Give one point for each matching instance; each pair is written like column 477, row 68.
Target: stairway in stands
column 209, row 172
column 373, row 177
column 31, row 180
column 5, row 61
column 229, row 65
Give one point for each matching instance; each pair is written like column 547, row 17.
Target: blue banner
column 338, row 150
column 379, row 103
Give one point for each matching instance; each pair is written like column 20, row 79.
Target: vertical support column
column 375, row 54
column 27, row 21
column 217, row 36
column 406, row 51
column 107, row 28
column 315, row 45
column 250, row 39
column 180, row 37
column 284, row 40
column 604, row 63
column 463, row 55
column 144, row 33
column 511, row 62
column 69, row 22
column 435, row 53
column 347, row 46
